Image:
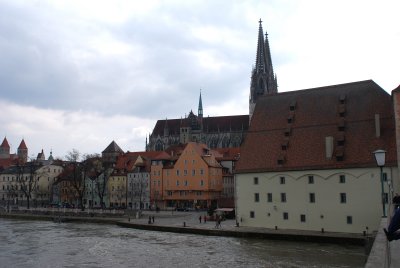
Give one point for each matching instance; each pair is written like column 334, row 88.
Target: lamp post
column 380, row 161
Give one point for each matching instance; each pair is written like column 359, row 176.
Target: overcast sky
column 79, row 74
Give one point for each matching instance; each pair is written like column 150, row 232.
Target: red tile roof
column 316, row 115
column 22, row 145
column 228, row 153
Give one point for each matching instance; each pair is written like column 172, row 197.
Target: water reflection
column 47, row 244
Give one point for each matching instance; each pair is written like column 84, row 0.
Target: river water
column 48, row 244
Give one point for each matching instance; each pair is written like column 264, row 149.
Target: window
column 342, row 179
column 201, row 183
column 310, row 179
column 303, row 218
column 255, row 180
column 177, row 183
column 201, row 171
column 193, row 172
column 342, row 197
column 252, row 214
column 349, row 220
column 285, row 215
column 312, row 197
column 185, row 172
column 283, row 197
column 186, row 183
column 269, row 197
column 282, row 180
column 256, row 197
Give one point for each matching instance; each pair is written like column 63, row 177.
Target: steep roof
column 210, row 124
column 128, row 160
column 345, row 112
column 228, row 153
column 5, row 144
column 113, row 148
column 22, row 145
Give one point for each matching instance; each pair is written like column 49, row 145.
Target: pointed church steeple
column 200, row 110
column 263, row 80
column 22, row 151
column 4, row 149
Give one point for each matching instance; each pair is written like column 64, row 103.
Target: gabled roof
column 113, row 148
column 129, row 160
column 5, row 144
column 345, row 112
column 228, row 153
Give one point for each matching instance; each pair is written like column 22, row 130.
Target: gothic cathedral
column 218, row 131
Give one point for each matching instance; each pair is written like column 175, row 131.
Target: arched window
column 159, row 145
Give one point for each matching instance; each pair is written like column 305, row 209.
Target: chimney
column 329, row 147
column 377, row 126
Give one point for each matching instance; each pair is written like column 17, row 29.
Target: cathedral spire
column 200, row 110
column 260, row 57
column 263, row 80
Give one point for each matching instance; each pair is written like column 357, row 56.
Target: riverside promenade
column 188, row 222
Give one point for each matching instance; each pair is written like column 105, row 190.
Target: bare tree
column 105, row 170
column 78, row 176
column 26, row 179
column 140, row 186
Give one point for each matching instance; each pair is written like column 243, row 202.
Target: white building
column 307, row 161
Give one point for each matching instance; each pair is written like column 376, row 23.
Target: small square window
column 343, row 198
column 342, row 179
column 349, row 220
column 283, row 197
column 282, row 180
column 310, row 179
column 303, row 218
column 255, row 180
column 252, row 214
column 256, row 197
column 285, row 215
column 269, row 197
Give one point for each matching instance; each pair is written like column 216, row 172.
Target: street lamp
column 380, row 161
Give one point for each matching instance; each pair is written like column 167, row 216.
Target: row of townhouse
column 184, row 176
column 32, row 180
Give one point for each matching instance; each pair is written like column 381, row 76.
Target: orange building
column 190, row 178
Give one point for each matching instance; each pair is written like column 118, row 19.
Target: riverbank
column 189, row 222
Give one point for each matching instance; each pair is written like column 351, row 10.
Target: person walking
column 205, row 219
column 200, row 219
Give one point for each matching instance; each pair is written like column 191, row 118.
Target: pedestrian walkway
column 188, row 222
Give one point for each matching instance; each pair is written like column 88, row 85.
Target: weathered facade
column 307, row 162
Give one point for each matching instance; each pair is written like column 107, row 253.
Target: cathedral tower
column 263, row 79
